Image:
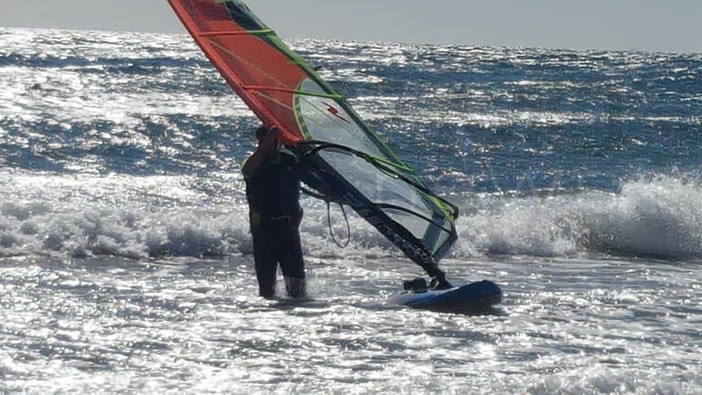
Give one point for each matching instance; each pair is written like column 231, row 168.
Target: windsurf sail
column 346, row 159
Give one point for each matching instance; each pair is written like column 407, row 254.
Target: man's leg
column 265, row 260
column 296, row 287
column 291, row 260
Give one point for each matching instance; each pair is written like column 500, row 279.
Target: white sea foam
column 650, row 217
column 141, row 217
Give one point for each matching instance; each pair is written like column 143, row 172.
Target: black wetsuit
column 273, row 195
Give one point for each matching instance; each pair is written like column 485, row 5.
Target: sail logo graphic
column 335, row 112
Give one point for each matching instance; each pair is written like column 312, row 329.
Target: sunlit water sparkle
column 126, row 260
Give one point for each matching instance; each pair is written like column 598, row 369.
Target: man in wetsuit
column 273, row 194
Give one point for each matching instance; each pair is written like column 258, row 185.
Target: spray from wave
column 154, row 217
column 658, row 217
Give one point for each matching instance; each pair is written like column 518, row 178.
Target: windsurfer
column 273, row 194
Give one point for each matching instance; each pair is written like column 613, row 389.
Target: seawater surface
column 125, row 257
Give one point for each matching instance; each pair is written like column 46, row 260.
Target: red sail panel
column 248, row 55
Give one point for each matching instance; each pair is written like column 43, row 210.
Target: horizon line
column 522, row 47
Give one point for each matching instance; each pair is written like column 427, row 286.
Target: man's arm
column 253, row 164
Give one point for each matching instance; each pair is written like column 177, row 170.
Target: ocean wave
column 657, row 217
column 653, row 217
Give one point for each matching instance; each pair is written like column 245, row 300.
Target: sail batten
column 288, row 90
column 346, row 158
column 235, row 33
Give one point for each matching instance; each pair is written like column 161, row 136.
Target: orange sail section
column 254, row 61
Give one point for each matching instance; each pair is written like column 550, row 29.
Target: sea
column 126, row 260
